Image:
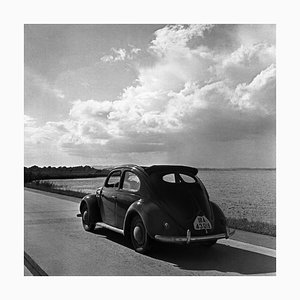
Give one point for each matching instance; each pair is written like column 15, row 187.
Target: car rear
column 183, row 197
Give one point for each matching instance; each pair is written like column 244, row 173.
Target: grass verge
column 252, row 226
column 240, row 224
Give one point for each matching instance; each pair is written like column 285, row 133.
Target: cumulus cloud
column 120, row 55
column 90, row 108
column 259, row 93
column 173, row 39
column 242, row 65
column 47, row 133
column 192, row 94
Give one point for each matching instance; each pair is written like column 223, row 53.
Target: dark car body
column 167, row 203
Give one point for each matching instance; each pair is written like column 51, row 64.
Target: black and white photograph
column 149, row 149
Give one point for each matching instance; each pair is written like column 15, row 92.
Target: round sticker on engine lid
column 201, row 222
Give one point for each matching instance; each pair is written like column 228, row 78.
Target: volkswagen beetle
column 166, row 203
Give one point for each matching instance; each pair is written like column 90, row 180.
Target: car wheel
column 140, row 240
column 85, row 220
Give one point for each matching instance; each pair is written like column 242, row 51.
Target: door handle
column 114, row 197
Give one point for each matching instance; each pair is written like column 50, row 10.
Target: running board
column 118, row 230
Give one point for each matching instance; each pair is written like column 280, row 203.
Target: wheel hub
column 138, row 234
column 85, row 217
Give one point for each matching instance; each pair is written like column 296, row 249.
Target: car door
column 109, row 196
column 127, row 194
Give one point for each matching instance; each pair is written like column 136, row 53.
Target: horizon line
column 199, row 168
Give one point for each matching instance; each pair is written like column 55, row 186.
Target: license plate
column 201, row 222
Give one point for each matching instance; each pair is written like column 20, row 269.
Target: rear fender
column 152, row 217
column 94, row 212
column 219, row 218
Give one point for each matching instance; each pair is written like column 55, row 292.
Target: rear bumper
column 188, row 238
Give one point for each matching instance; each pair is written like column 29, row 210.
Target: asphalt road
column 56, row 244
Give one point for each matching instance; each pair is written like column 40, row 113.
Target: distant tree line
column 42, row 173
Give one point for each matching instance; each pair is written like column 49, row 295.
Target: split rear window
column 178, row 178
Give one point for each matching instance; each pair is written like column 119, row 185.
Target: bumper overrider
column 188, row 238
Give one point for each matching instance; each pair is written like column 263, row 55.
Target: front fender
column 94, row 212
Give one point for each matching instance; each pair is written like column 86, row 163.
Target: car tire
column 85, row 220
column 140, row 239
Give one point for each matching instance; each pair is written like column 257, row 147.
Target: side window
column 131, row 182
column 113, row 180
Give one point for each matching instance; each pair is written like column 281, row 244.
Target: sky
column 200, row 95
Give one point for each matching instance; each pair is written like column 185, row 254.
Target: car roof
column 170, row 168
column 162, row 168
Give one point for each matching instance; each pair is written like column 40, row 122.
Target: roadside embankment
column 52, row 188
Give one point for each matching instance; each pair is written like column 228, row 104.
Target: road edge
column 32, row 266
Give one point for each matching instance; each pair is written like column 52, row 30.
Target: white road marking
column 248, row 247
